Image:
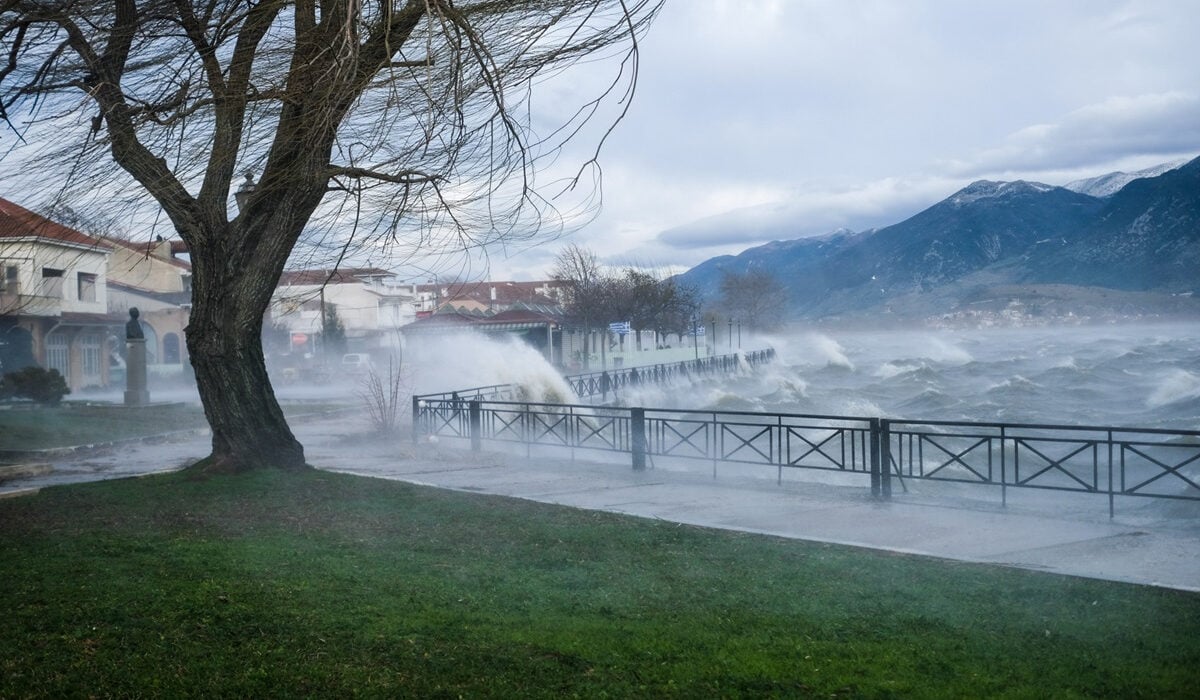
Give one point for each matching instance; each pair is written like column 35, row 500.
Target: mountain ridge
column 992, row 240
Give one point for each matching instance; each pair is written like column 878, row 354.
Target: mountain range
column 1123, row 245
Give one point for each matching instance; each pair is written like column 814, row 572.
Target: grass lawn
column 69, row 424
column 319, row 584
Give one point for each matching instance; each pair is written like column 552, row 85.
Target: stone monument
column 136, row 393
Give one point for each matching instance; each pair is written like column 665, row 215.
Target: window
column 8, row 280
column 52, row 282
column 171, row 349
column 90, row 345
column 58, row 353
column 87, row 286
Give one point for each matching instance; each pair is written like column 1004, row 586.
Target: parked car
column 357, row 363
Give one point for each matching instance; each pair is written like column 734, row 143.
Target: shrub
column 383, row 396
column 44, row 386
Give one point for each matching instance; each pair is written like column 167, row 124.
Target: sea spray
column 1176, row 386
column 466, row 360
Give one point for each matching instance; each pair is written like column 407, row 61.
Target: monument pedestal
column 136, row 393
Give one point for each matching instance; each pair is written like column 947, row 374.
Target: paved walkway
column 1148, row 542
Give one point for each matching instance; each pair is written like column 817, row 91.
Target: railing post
column 637, row 438
column 416, row 419
column 527, row 430
column 1111, row 497
column 876, row 479
column 885, row 458
column 476, row 424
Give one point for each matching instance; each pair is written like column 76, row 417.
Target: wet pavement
column 1149, row 541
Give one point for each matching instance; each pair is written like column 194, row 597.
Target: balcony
column 13, row 303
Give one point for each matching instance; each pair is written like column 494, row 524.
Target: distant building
column 54, row 296
column 491, row 297
column 531, row 311
column 370, row 303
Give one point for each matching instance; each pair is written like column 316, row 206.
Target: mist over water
column 1134, row 376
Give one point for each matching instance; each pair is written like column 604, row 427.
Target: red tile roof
column 18, row 222
column 507, row 293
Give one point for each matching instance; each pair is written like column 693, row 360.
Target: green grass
column 40, row 427
column 317, row 584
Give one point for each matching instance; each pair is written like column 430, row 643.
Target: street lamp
column 695, row 339
column 731, row 334
column 739, row 334
column 242, row 195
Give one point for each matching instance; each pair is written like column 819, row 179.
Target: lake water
column 1131, row 376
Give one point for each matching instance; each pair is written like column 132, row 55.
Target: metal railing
column 1100, row 460
column 612, row 381
column 1114, row 462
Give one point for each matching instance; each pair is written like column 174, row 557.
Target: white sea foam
column 1015, row 382
column 940, row 350
column 1177, row 385
column 468, row 360
column 826, row 351
column 1067, row 362
column 889, row 370
column 861, row 407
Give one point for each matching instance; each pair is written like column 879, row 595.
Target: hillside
column 1040, row 249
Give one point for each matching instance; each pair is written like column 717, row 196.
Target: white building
column 368, row 302
column 53, row 296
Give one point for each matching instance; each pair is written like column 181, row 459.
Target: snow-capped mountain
column 992, row 242
column 1107, row 185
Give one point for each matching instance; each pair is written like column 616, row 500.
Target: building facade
column 54, row 299
column 369, row 303
column 154, row 279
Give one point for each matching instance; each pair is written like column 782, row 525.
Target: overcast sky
column 757, row 120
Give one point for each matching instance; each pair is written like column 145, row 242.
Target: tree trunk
column 248, row 427
column 224, row 338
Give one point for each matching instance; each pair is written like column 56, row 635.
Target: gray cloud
column 1164, row 124
column 766, row 119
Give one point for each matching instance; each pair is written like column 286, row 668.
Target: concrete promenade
column 1148, row 542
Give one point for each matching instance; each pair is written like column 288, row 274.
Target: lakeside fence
column 1106, row 461
column 608, row 382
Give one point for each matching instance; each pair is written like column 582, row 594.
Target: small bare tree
column 402, row 124
column 383, row 394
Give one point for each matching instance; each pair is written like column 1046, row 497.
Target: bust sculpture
column 133, row 329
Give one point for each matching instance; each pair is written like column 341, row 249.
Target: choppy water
column 1134, row 376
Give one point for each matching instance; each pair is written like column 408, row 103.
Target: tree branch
column 404, row 177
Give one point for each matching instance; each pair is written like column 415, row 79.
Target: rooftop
column 18, row 222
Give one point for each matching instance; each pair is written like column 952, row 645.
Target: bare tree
column 399, row 123
column 579, row 268
column 754, row 297
column 655, row 304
